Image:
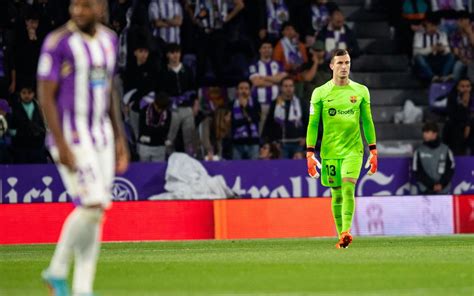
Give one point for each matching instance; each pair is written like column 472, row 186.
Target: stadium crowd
column 227, row 79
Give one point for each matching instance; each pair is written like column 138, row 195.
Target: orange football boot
column 344, row 240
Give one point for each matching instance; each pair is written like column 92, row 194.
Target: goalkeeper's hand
column 372, row 162
column 313, row 165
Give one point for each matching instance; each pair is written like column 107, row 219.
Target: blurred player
column 340, row 103
column 75, row 77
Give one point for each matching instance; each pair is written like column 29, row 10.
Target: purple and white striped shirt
column 165, row 10
column 265, row 95
column 83, row 66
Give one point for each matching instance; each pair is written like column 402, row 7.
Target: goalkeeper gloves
column 313, row 164
column 372, row 161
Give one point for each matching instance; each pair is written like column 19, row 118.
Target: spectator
column 7, row 65
column 458, row 127
column 431, row 54
column 285, row 121
column 337, row 35
column 316, row 15
column 139, row 80
column 155, row 120
column 245, row 120
column 28, row 129
column 4, row 152
column 178, row 81
column 462, row 44
column 217, row 140
column 433, row 163
column 412, row 14
column 266, row 75
column 211, row 16
column 269, row 151
column 290, row 52
column 276, row 13
column 29, row 41
column 315, row 71
column 166, row 17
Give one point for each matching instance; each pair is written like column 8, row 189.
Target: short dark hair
column 430, row 126
column 265, row 41
column 244, row 81
column 173, row 47
column 287, row 24
column 285, row 79
column 336, row 10
column 339, row 53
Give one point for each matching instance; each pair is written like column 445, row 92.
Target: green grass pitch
column 371, row 266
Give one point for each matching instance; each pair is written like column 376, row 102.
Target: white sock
column 61, row 261
column 87, row 251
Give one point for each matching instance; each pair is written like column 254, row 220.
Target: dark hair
column 275, row 152
column 285, row 79
column 287, row 24
column 430, row 126
column 432, row 18
column 265, row 41
column 173, row 47
column 339, row 53
column 332, row 12
column 162, row 100
column 244, row 81
column 464, row 78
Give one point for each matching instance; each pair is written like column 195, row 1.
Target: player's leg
column 348, row 203
column 331, row 177
column 350, row 170
column 336, row 203
column 87, row 252
column 57, row 272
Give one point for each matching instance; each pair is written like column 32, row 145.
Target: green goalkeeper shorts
column 334, row 170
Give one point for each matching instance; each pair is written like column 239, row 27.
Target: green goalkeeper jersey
column 341, row 108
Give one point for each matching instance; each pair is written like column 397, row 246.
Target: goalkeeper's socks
column 336, row 203
column 348, row 205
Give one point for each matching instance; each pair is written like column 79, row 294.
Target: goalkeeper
column 340, row 103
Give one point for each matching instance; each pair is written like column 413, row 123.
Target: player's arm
column 48, row 73
column 121, row 148
column 312, row 135
column 369, row 132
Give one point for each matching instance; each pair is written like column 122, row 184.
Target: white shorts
column 91, row 183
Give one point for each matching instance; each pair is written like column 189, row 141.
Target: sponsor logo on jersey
column 346, row 112
column 333, row 112
column 353, row 99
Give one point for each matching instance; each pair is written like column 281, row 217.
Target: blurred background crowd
column 232, row 79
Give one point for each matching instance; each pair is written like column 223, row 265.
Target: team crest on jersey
column 66, row 69
column 353, row 99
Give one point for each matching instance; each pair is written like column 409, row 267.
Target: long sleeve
column 367, row 122
column 313, row 124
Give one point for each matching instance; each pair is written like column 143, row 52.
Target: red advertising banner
column 126, row 221
column 464, row 213
column 273, row 218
